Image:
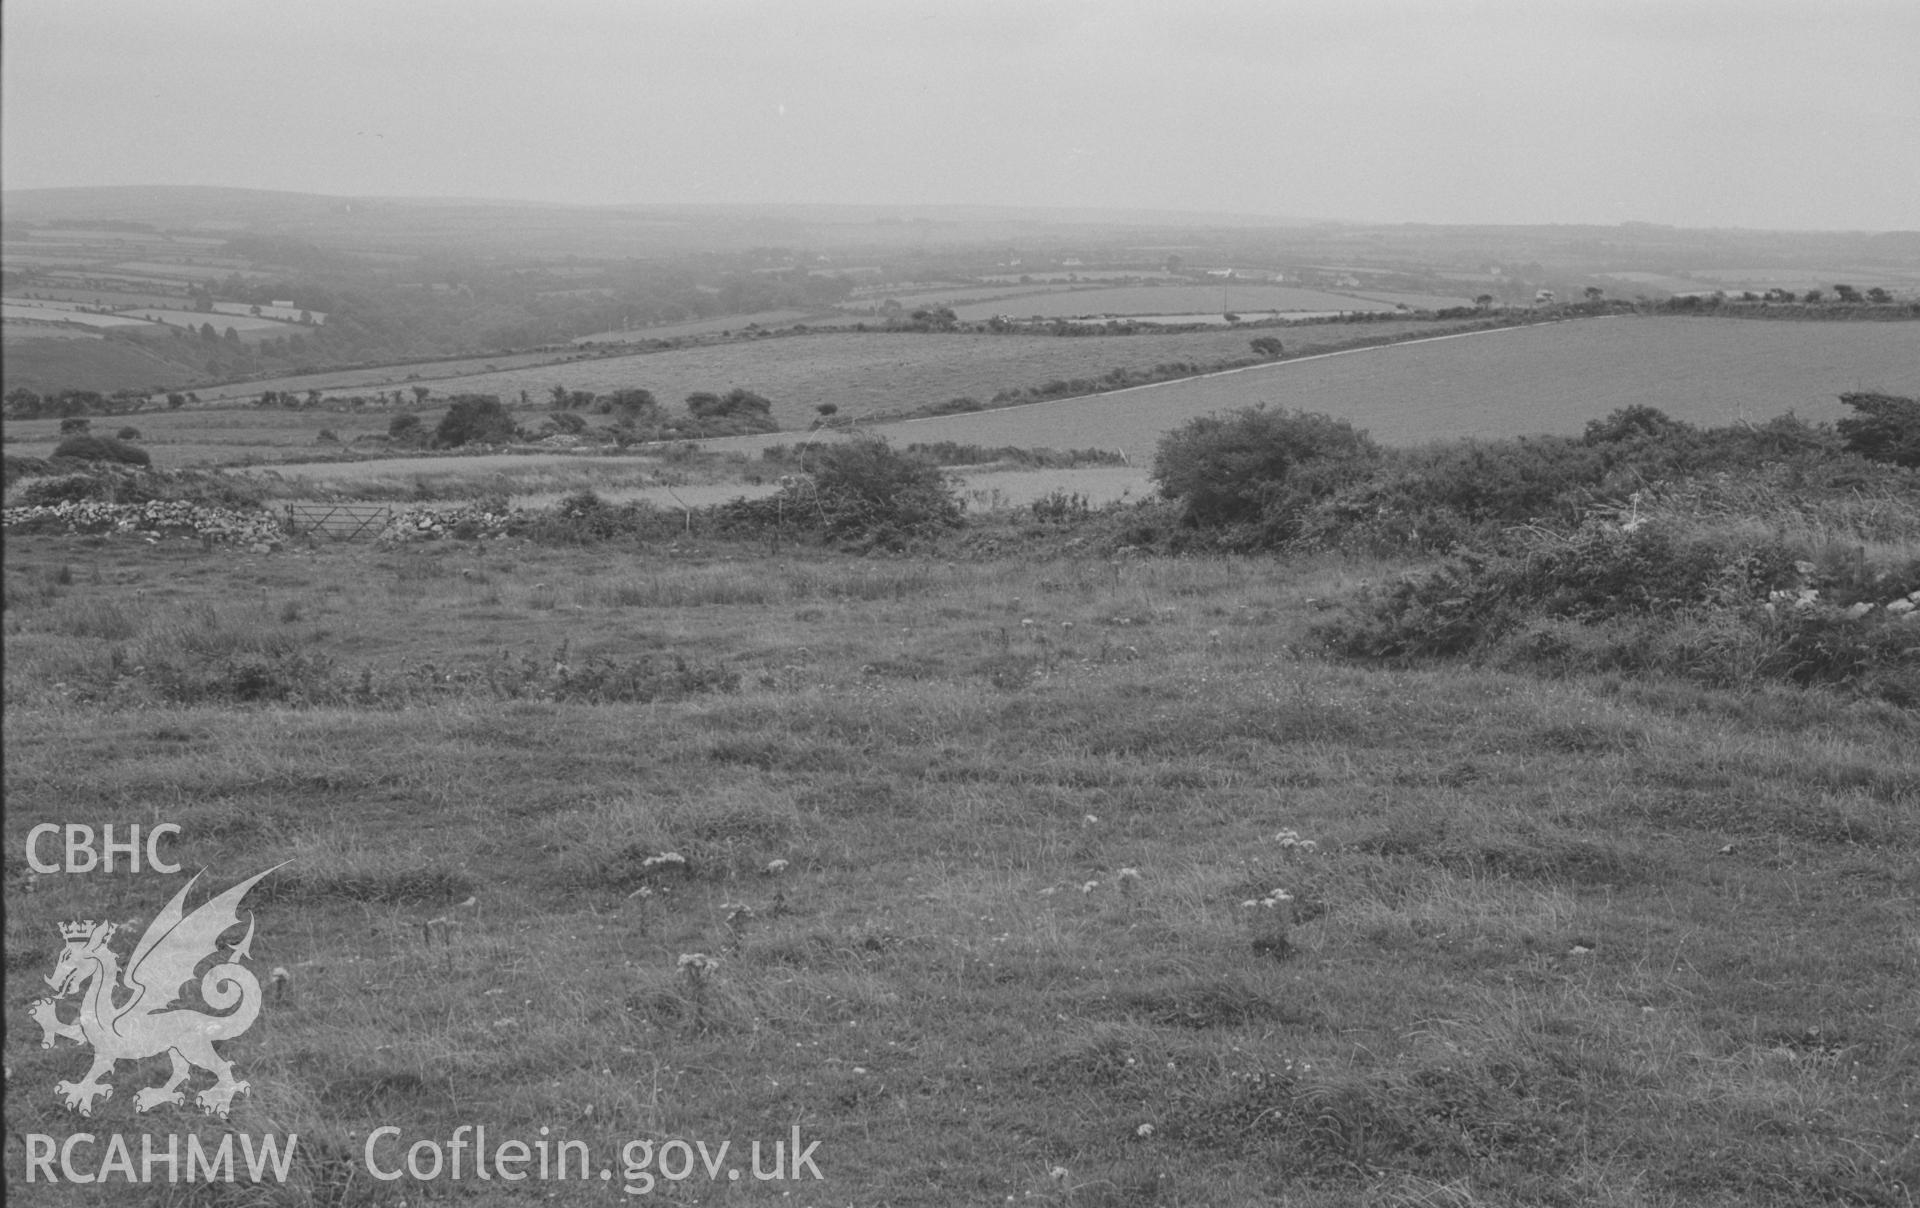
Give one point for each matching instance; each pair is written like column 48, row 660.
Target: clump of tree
column 479, row 419
column 406, row 430
column 632, row 407
column 1883, row 427
column 737, row 412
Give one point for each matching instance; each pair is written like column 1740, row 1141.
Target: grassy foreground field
column 987, row 853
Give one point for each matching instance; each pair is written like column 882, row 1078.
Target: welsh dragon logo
column 141, row 1025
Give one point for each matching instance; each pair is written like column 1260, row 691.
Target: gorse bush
column 863, row 490
column 1629, row 423
column 1884, row 427
column 1240, row 487
column 1731, row 608
column 84, row 447
column 1260, row 468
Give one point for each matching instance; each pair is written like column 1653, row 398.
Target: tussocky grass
column 1602, row 940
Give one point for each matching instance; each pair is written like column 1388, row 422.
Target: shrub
column 955, row 406
column 865, row 490
column 1256, row 465
column 406, row 429
column 1884, row 427
column 474, row 419
column 1630, row 422
column 17, row 468
column 128, row 433
column 66, row 488
column 74, row 424
column 1724, row 608
column 631, row 407
column 102, row 448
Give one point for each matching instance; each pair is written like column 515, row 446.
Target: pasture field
column 58, row 313
column 963, row 294
column 198, row 437
column 863, row 372
column 1551, row 378
column 37, row 330
column 221, row 320
column 1166, row 300
column 1416, row 301
column 44, row 359
column 706, row 327
column 207, row 269
column 382, row 377
column 540, row 480
column 1033, row 877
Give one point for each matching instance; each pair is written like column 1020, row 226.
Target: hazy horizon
column 1769, row 115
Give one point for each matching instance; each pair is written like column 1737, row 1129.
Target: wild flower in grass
column 1272, row 919
column 1129, row 879
column 775, row 867
column 1091, row 820
column 1144, row 1131
column 670, row 858
column 697, row 964
column 1291, row 838
column 1089, row 886
column 1059, row 1174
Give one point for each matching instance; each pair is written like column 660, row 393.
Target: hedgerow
column 1731, row 608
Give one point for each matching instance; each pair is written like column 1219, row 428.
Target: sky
column 1800, row 115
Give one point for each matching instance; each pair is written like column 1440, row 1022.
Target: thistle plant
column 739, row 917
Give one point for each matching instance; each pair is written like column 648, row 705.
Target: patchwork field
column 862, row 372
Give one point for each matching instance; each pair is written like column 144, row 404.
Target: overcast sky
column 1752, row 113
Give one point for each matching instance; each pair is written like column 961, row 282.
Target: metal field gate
column 340, row 521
